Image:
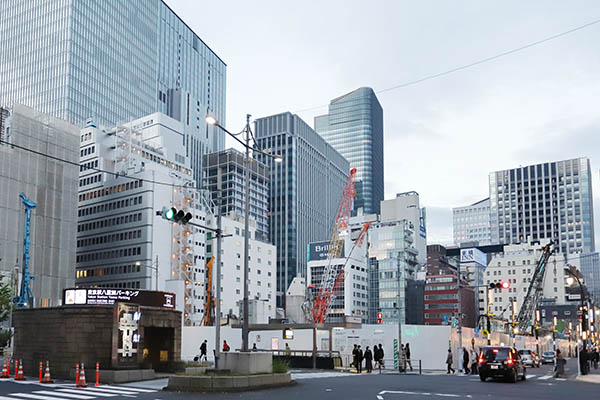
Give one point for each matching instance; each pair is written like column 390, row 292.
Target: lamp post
column 153, row 267
column 211, row 120
column 570, row 281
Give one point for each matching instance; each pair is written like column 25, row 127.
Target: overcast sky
column 442, row 136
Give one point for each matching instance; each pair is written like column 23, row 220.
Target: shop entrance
column 158, row 348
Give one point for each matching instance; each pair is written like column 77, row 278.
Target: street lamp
column 151, row 266
column 212, row 120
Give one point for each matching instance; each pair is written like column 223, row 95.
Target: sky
column 442, row 137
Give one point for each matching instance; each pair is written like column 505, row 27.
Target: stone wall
column 83, row 334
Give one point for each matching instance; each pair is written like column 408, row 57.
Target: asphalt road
column 333, row 385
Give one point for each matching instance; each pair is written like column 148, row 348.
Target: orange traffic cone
column 5, row 373
column 47, row 378
column 19, row 376
column 82, row 383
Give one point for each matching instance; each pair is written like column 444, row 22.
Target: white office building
column 351, row 296
column 472, row 223
column 516, row 265
column 405, row 206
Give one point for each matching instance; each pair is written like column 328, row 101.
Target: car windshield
column 549, row 353
column 495, row 354
column 524, row 351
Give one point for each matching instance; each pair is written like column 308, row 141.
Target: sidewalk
column 592, row 377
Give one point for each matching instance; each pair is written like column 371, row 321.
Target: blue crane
column 25, row 298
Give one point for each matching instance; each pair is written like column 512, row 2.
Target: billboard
column 318, row 250
column 101, row 297
column 473, row 255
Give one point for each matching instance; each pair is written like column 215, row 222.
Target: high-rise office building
column 113, row 61
column 305, row 190
column 224, row 177
column 354, row 127
column 543, row 202
column 472, row 223
column 50, row 184
column 406, row 206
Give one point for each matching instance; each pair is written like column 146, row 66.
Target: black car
column 501, row 362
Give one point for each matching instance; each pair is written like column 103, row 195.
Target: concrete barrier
column 118, row 375
column 183, row 383
column 247, row 362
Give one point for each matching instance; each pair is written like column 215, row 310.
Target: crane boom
column 25, row 298
column 535, row 290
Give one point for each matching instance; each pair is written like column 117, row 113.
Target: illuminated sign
column 101, row 297
column 473, row 255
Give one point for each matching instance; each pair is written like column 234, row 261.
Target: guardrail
column 298, row 353
column 412, row 365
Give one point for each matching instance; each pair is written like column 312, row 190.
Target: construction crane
column 318, row 307
column 25, row 298
column 534, row 292
column 209, row 303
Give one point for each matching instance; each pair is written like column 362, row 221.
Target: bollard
column 8, row 367
column 77, row 374
column 97, row 374
column 41, row 367
column 16, row 367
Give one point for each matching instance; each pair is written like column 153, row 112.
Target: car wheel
column 514, row 377
column 482, row 378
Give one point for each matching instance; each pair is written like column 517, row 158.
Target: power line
column 472, row 64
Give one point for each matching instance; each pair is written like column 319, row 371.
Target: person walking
column 473, row 362
column 595, row 358
column 203, row 351
column 376, row 357
column 466, row 358
column 368, row 360
column 225, row 346
column 449, row 361
column 288, row 351
column 354, row 357
column 407, row 352
column 559, row 369
column 381, row 357
column 359, row 359
column 583, row 361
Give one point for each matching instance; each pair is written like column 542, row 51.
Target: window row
column 104, row 255
column 104, row 223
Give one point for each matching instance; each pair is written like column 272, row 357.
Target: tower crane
column 534, row 292
column 25, row 298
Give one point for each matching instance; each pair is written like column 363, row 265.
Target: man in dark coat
column 355, row 357
column 203, row 351
column 359, row 359
column 368, row 360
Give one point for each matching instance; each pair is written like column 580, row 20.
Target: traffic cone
column 19, row 376
column 82, row 383
column 47, row 378
column 5, row 373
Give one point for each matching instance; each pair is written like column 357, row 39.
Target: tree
column 6, row 304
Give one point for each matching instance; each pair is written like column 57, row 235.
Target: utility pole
column 246, row 235
column 156, row 266
column 459, row 324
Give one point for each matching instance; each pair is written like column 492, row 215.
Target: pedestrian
column 225, row 346
column 473, row 362
column 254, row 347
column 203, row 350
column 368, row 360
column 407, row 352
column 354, row 356
column 559, row 369
column 466, row 358
column 583, row 361
column 288, row 351
column 449, row 361
column 376, row 357
column 403, row 357
column 359, row 359
column 595, row 358
column 381, row 357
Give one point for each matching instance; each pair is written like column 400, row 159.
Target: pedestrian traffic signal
column 174, row 215
column 500, row 285
column 379, row 318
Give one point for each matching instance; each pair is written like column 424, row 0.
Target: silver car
column 548, row 357
column 529, row 358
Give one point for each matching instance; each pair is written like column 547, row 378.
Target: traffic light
column 500, row 285
column 174, row 215
column 379, row 318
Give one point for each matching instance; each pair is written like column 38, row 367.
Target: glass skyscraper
column 305, row 190
column 112, row 61
column 549, row 201
column 354, row 127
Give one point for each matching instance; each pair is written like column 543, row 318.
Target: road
column 333, row 385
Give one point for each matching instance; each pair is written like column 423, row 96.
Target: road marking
column 422, row 393
column 72, row 396
column 379, row 397
column 96, row 390
column 130, row 388
column 531, row 376
column 545, row 377
column 36, row 396
column 560, row 379
column 78, row 391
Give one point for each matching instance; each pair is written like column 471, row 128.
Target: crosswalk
column 317, row 375
column 69, row 392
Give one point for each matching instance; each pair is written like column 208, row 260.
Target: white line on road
column 129, row 388
column 422, row 393
column 69, row 395
column 113, row 391
column 379, row 397
column 36, row 396
column 79, row 392
column 545, row 377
